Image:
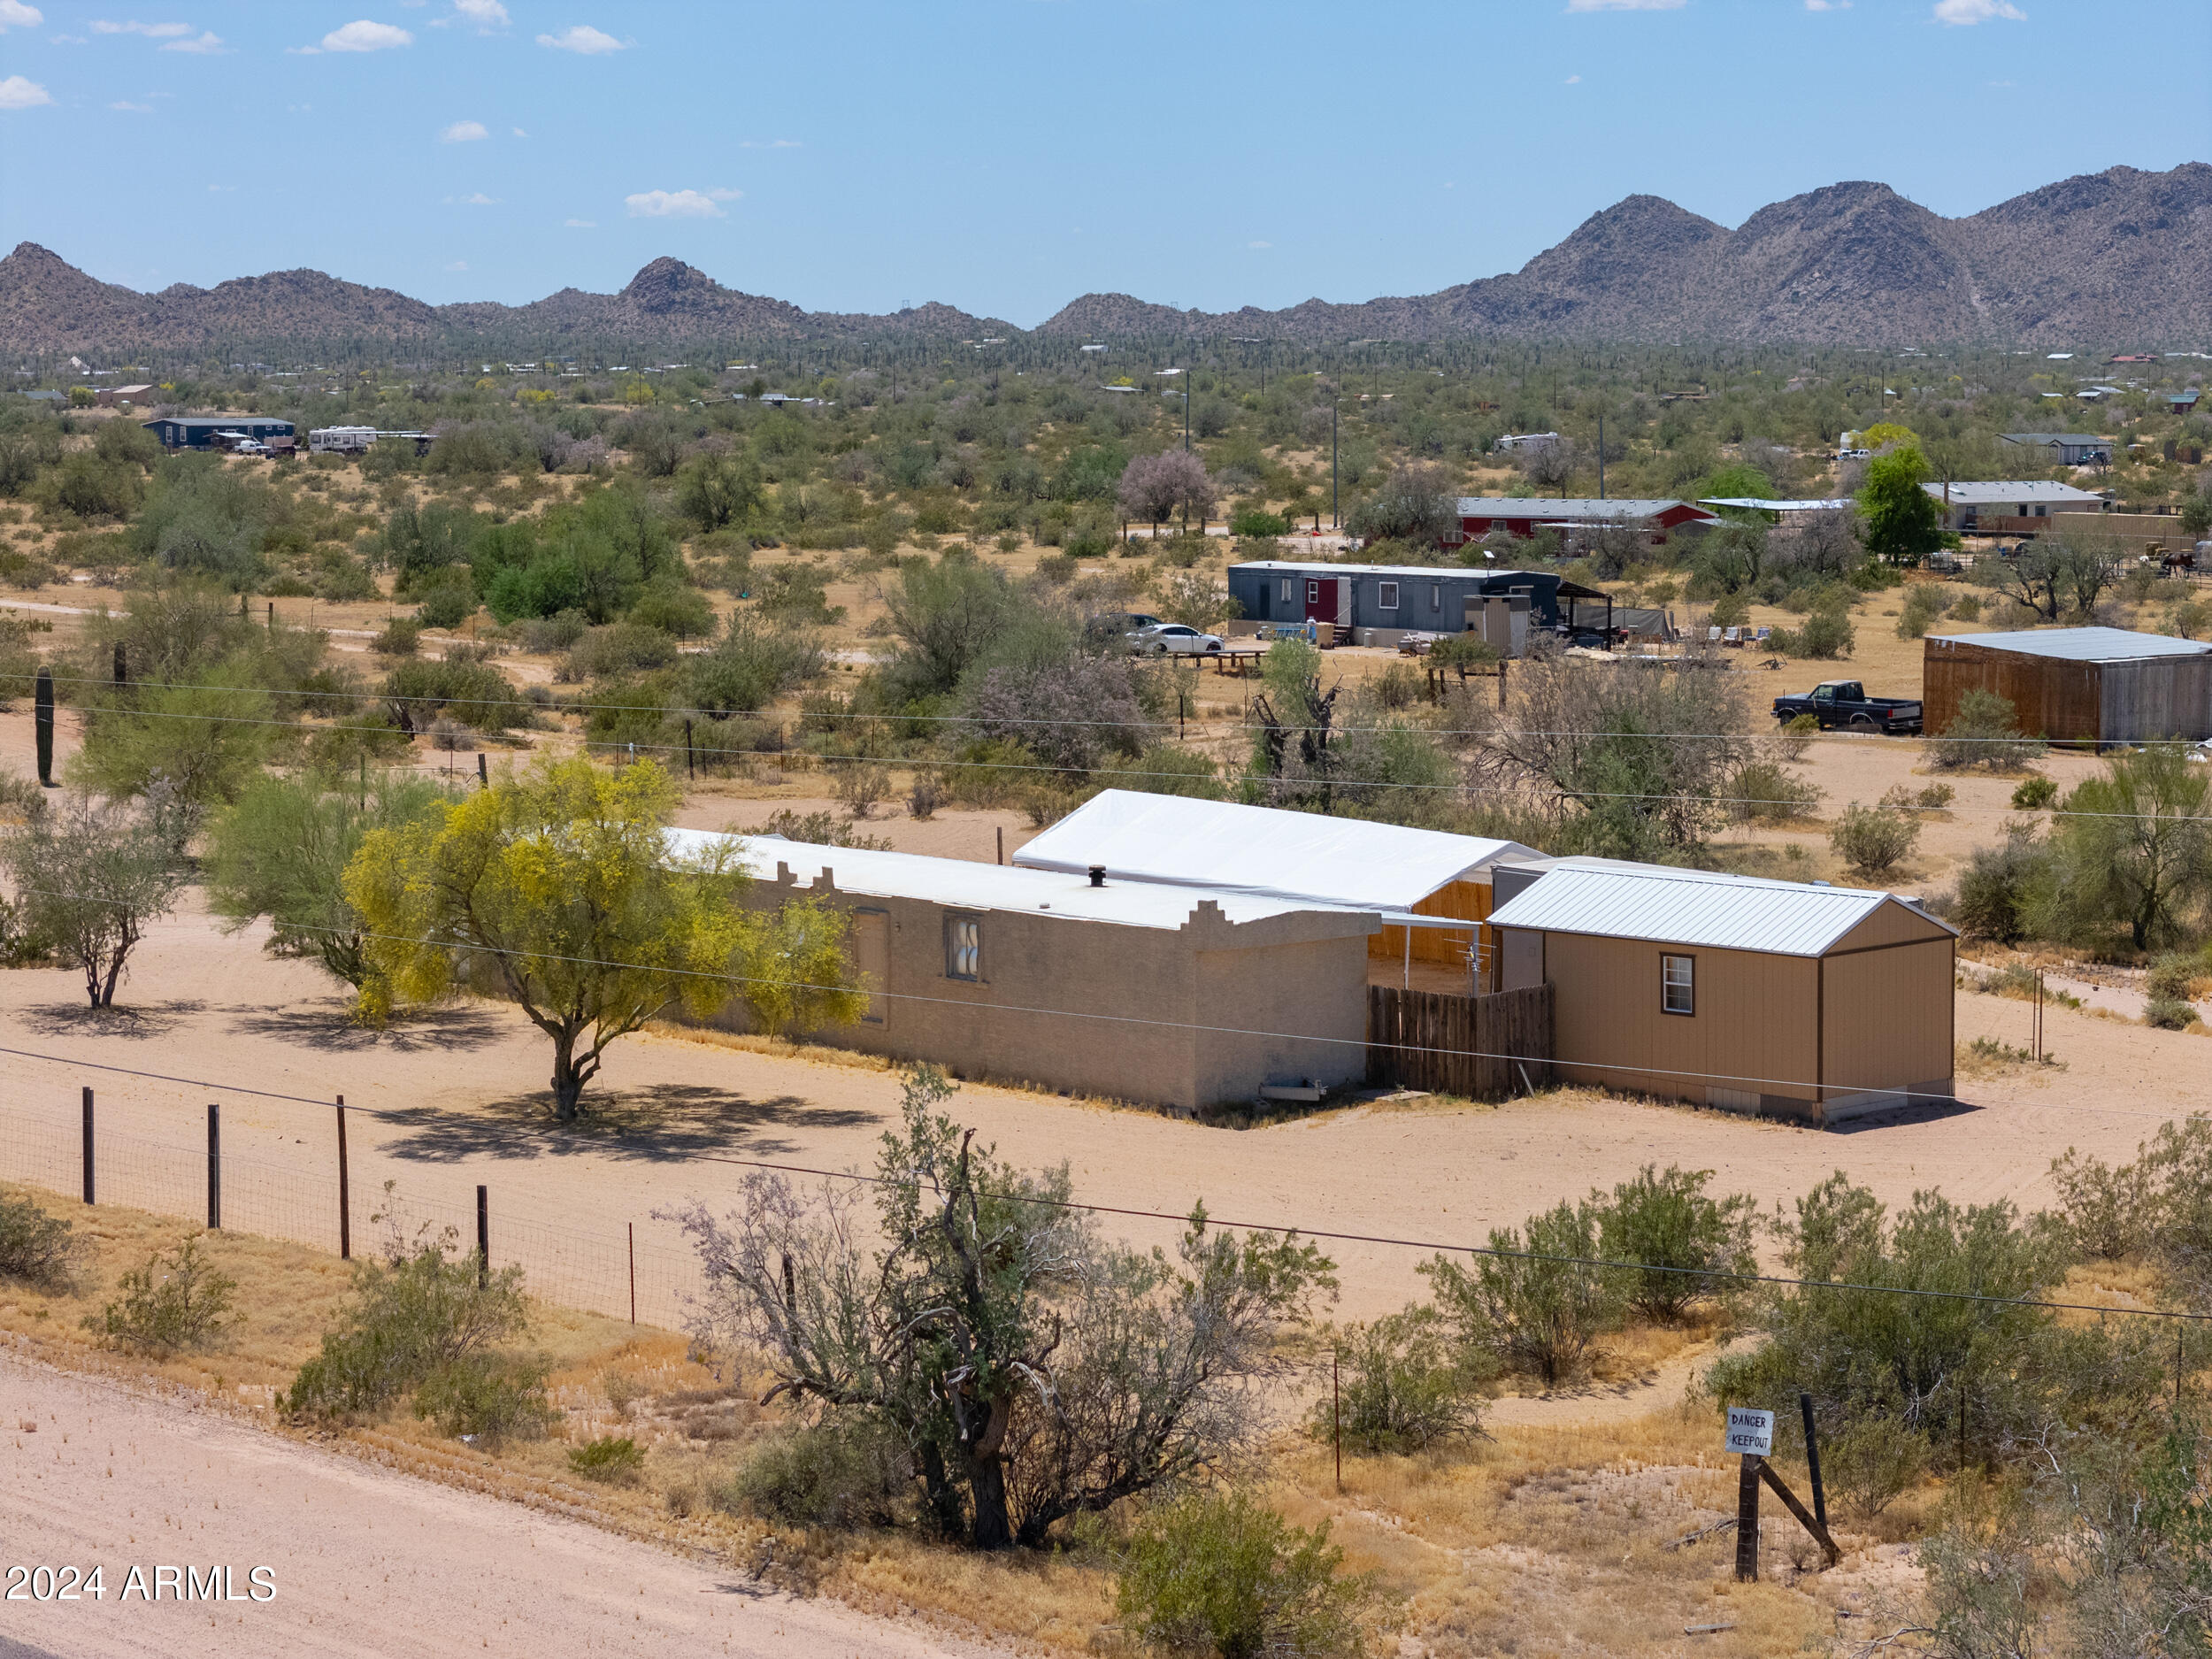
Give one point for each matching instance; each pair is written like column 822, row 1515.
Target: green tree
column 281, row 849
column 1534, row 1302
column 90, row 877
column 1667, row 1221
column 185, row 748
column 2132, row 848
column 1903, row 523
column 556, row 885
column 720, row 489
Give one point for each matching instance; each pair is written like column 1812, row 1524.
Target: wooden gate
column 1478, row 1047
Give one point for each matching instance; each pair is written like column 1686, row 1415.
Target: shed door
column 871, row 955
column 1524, row 959
column 1320, row 599
column 1343, row 616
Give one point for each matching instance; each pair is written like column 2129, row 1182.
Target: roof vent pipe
column 1098, row 875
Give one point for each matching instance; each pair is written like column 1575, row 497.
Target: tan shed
column 2093, row 686
column 1787, row 999
column 1431, row 888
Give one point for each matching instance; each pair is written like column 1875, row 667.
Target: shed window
column 963, row 948
column 1436, row 595
column 1678, row 984
column 1386, row 595
column 1290, row 590
column 1313, row 593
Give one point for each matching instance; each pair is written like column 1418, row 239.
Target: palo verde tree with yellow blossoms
column 556, row 886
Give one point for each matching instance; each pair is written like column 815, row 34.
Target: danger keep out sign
column 1750, row 1432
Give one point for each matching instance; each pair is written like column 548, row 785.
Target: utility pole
column 1600, row 457
column 1334, row 523
column 1185, row 411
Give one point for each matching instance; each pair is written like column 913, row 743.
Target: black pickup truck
column 1845, row 703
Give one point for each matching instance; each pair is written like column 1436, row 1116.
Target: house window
column 1386, row 595
column 963, row 948
column 1313, row 593
column 1678, row 984
column 1436, row 595
column 1290, row 590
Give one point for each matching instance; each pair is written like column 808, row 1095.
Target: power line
column 1600, row 1263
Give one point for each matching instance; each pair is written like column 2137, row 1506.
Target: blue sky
column 1008, row 157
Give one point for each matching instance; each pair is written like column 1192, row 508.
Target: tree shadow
column 331, row 1029
column 139, row 1021
column 664, row 1124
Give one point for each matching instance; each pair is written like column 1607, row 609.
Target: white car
column 1172, row 639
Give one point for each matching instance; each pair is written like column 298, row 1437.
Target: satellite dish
column 1488, row 554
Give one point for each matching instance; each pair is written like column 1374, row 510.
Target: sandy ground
column 113, row 1477
column 457, row 1098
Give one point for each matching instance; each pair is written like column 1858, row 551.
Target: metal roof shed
column 1400, row 873
column 2093, row 686
column 1790, row 999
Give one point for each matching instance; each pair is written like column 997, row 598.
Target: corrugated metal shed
column 1691, row 906
column 1226, row 847
column 963, row 884
column 2083, row 645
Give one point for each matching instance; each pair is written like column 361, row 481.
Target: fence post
column 1812, row 1461
column 691, row 769
column 483, row 772
column 633, row 1227
column 1748, row 1521
column 87, row 1145
column 214, row 1167
column 483, row 1239
column 345, row 1191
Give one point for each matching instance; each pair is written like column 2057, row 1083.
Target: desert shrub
column 860, row 786
column 611, row 1460
column 835, row 1474
column 487, row 1396
column 1666, row 1220
column 177, row 1301
column 989, row 772
column 620, row 648
column 544, row 635
column 471, row 694
column 673, row 608
column 749, row 667
column 1999, row 884
column 2106, row 1210
column 1531, row 1306
column 820, row 829
column 923, row 796
column 414, row 1313
column 400, row 636
column 2168, row 1014
column 1225, row 1575
column 1826, row 636
column 447, row 601
column 1871, row 1463
column 1762, row 791
column 35, row 1249
column 1985, row 731
column 2035, row 793
column 2171, row 977
column 1164, row 768
column 1404, row 1387
column 1924, row 603
column 1071, row 713
column 1730, row 610
column 1872, row 841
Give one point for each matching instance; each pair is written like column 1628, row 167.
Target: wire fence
column 600, row 1268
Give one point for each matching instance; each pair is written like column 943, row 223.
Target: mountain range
column 2121, row 255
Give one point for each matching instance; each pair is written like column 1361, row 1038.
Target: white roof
column 1224, row 848
column 2041, row 490
column 1773, row 506
column 2083, row 645
column 1567, row 507
column 963, row 884
column 1692, row 907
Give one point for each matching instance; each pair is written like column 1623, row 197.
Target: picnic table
column 1234, row 656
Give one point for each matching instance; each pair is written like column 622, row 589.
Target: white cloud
column 364, row 37
column 458, row 264
column 520, row 133
column 464, row 132
column 1827, row 6
column 16, row 93
column 486, row 14
column 583, row 224
column 771, row 143
column 151, row 31
column 583, row 39
column 1624, row 6
column 1966, row 13
column 15, row 15
column 134, row 109
column 679, row 204
column 1572, row 80
column 479, row 200
column 207, row 43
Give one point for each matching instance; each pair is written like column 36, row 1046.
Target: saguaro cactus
column 43, row 720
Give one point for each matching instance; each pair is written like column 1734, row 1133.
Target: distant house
column 1526, row 439
column 1524, row 516
column 47, row 396
column 1391, row 601
column 107, row 396
column 2183, row 402
column 2068, row 448
column 198, row 432
column 1976, row 508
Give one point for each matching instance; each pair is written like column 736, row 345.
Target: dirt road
column 361, row 1560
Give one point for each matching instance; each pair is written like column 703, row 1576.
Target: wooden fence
column 1479, row 1048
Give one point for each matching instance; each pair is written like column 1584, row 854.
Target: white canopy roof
column 1177, row 840
column 1692, row 907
